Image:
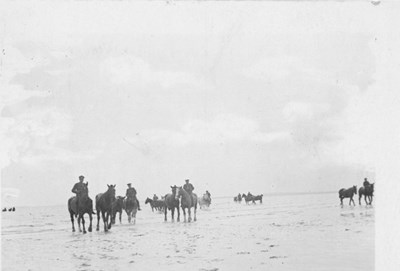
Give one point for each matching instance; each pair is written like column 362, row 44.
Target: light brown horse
column 171, row 203
column 187, row 202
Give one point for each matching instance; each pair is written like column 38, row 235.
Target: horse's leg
column 83, row 223
column 104, row 220
column 177, row 209
column 341, row 200
column 108, row 216
column 79, row 223
column 72, row 221
column 189, row 214
column 120, row 214
column 365, row 198
column 90, row 223
column 184, row 214
column 359, row 198
column 195, row 208
column 98, row 219
column 172, row 213
column 165, row 214
column 370, row 200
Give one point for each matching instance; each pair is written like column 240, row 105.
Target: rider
column 366, row 183
column 155, row 197
column 131, row 191
column 78, row 188
column 188, row 187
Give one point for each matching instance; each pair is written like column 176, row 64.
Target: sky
column 235, row 96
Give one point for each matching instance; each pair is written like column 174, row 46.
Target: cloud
column 223, row 129
column 272, row 68
column 134, row 70
column 30, row 133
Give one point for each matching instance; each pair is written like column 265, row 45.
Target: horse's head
column 355, row 189
column 147, row 201
column 111, row 191
column 173, row 189
column 84, row 192
column 180, row 192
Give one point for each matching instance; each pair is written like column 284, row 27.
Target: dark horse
column 187, row 202
column 117, row 207
column 171, row 202
column 348, row 193
column 85, row 206
column 104, row 205
column 155, row 204
column 131, row 207
column 252, row 198
column 367, row 191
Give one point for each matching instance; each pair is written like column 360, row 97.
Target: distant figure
column 188, row 187
column 249, row 194
column 4, row 210
column 155, row 197
column 366, row 183
column 13, row 209
column 78, row 189
column 238, row 198
column 209, row 195
column 131, row 191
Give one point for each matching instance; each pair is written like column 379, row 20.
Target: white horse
column 204, row 201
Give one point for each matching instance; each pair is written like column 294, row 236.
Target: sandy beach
column 292, row 232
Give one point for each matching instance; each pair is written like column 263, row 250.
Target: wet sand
column 296, row 232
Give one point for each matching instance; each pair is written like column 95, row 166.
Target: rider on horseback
column 130, row 192
column 188, row 187
column 366, row 183
column 155, row 197
column 78, row 189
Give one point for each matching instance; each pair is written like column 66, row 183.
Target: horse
column 187, row 202
column 367, row 191
column 131, row 207
column 155, row 204
column 170, row 203
column 247, row 198
column 117, row 206
column 104, row 205
column 85, row 206
column 238, row 198
column 159, row 205
column 205, row 200
column 348, row 193
column 252, row 198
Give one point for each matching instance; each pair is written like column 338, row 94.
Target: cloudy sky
column 261, row 97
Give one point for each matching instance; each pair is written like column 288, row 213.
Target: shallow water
column 293, row 232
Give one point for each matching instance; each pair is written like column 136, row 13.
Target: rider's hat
column 186, row 180
column 81, row 177
column 129, row 184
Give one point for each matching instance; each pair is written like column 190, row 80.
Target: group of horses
column 108, row 205
column 12, row 209
column 248, row 198
column 366, row 191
